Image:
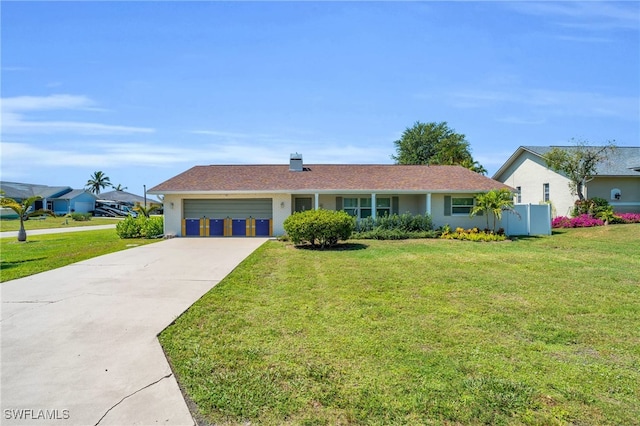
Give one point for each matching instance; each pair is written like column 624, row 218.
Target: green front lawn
column 43, row 252
column 535, row 331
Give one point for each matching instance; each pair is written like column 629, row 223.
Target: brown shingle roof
column 327, row 177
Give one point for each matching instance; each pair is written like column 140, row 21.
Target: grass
column 52, row 222
column 43, row 252
column 536, row 331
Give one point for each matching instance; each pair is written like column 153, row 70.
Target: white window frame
column 546, row 191
column 364, row 203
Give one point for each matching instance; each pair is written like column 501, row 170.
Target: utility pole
column 145, row 195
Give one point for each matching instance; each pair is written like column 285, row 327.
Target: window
column 350, row 205
column 545, row 192
column 365, row 207
column 362, row 207
column 383, row 207
column 461, row 205
column 518, row 194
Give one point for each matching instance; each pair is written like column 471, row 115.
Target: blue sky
column 145, row 90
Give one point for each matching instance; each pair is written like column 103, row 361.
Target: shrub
column 582, row 221
column 151, row 227
column 81, row 217
column 140, row 227
column 319, row 227
column 129, row 227
column 594, row 207
column 393, row 234
column 405, row 224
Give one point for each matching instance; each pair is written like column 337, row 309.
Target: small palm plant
column 146, row 211
column 495, row 202
column 22, row 210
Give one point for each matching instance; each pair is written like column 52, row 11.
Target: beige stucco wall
column 529, row 172
column 283, row 205
column 629, row 192
column 455, row 221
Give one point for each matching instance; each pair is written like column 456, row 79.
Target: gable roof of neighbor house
column 124, row 197
column 20, row 191
column 75, row 193
column 622, row 161
column 326, row 178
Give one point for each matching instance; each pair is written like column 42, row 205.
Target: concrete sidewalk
column 79, row 343
column 14, row 234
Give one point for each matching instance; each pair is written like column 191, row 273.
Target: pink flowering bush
column 627, row 217
column 582, row 221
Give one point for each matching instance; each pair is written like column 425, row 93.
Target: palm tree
column 474, row 166
column 146, row 211
column 119, row 187
column 98, row 181
column 495, row 202
column 22, row 210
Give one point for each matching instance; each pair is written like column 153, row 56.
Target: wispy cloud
column 263, row 148
column 95, row 154
column 588, row 15
column 42, row 103
column 549, row 102
column 152, row 155
column 16, row 118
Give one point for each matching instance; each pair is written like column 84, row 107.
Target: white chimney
column 295, row 163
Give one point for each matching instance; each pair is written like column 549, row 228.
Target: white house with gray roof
column 617, row 180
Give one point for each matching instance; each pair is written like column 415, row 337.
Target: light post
column 145, row 195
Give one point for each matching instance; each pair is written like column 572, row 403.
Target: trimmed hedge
column 140, row 227
column 405, row 222
column 323, row 228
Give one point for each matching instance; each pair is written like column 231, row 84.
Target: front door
column 302, row 204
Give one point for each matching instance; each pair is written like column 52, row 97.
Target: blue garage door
column 216, row 227
column 263, row 227
column 192, row 227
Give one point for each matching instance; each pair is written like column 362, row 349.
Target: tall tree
column 119, row 187
column 579, row 164
column 23, row 210
column 98, row 181
column 433, row 143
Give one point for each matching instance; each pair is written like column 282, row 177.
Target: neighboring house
column 256, row 199
column 76, row 200
column 60, row 199
column 617, row 180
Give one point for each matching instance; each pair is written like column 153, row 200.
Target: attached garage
column 228, row 217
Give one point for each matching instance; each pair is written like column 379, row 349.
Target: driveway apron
column 79, row 343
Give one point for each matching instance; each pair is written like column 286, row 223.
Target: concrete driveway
column 79, row 343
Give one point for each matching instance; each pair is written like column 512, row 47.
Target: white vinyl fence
column 535, row 219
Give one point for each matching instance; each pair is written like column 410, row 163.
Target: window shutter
column 338, row 203
column 395, row 205
column 447, row 205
